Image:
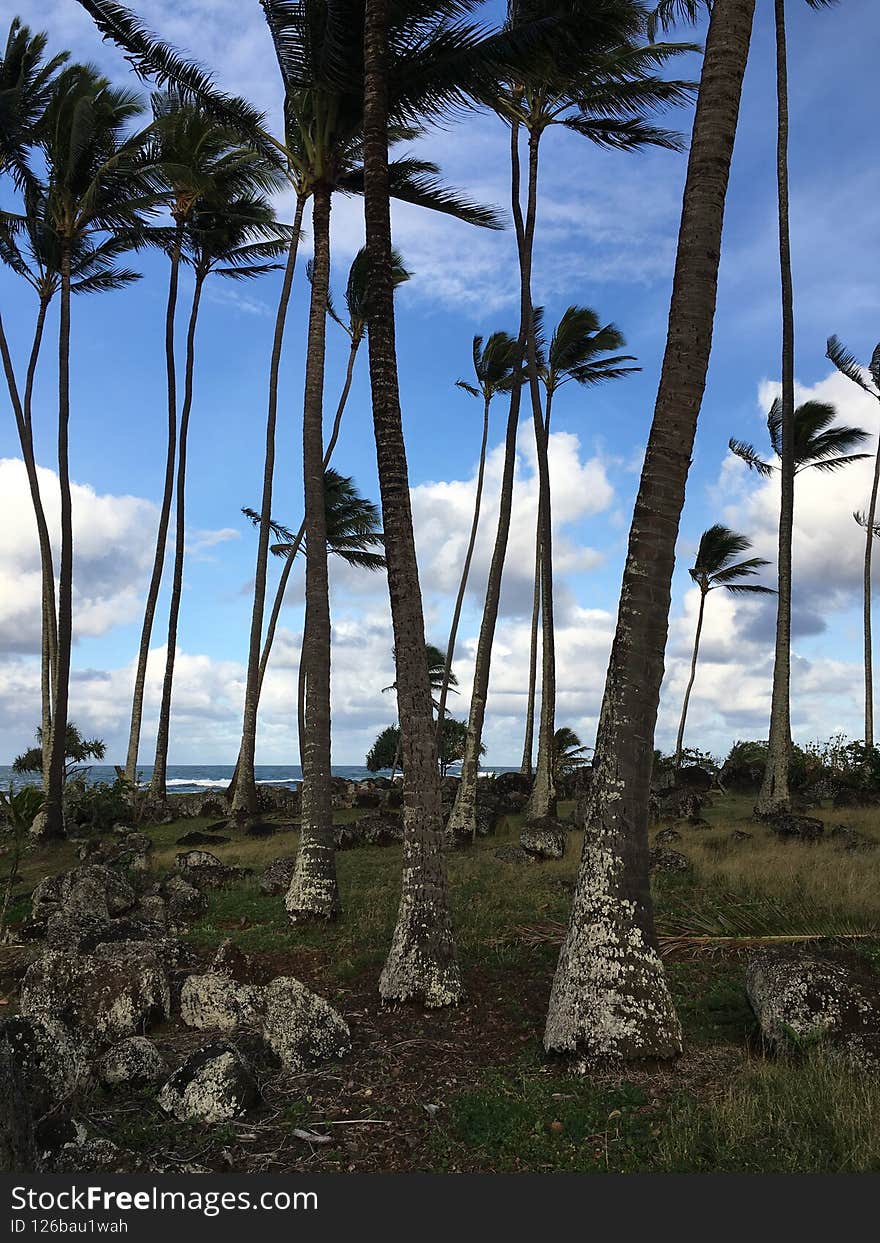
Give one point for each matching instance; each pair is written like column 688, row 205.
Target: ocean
column 188, row 778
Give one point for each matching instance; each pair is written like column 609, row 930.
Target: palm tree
column 601, row 87
column 27, row 81
column 493, row 366
column 574, row 354
column 774, row 795
column 568, row 753
column 846, row 364
column 235, row 237
column 715, row 566
column 610, row 999
column 97, row 184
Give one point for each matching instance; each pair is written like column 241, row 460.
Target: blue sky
column 606, row 238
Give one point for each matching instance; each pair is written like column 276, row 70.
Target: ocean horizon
column 189, row 778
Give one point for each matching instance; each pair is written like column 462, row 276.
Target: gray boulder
column 300, row 1027
column 512, row 854
column 796, row 828
column 666, row 836
column 799, row 997
column 206, row 871
column 544, row 838
column 276, row 876
column 213, row 1085
column 185, row 900
column 131, row 1063
column 661, row 859
column 217, row 1002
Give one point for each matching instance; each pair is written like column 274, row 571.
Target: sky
column 606, row 234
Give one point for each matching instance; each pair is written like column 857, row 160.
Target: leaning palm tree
column 494, row 362
column 97, row 184
column 610, row 999
column 235, row 237
column 813, row 442
column 716, row 566
column 774, row 794
column 602, row 87
column 575, row 354
column 847, row 365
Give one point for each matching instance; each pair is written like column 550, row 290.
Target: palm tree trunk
column 49, row 627
column 869, row 658
column 773, row 797
column 140, row 677
column 301, row 679
column 313, row 891
column 679, row 742
column 290, row 560
column 526, row 767
column 160, row 765
column 462, row 586
column 462, row 822
column 244, row 799
column 421, row 963
column 54, row 806
column 610, row 999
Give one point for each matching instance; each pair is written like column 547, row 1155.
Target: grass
column 500, row 1104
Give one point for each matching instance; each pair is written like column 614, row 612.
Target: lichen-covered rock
column 300, row 1027
column 796, row 828
column 512, row 854
column 848, row 840
column 661, row 859
column 206, row 871
column 117, row 991
column 217, row 1002
column 92, row 887
column 277, row 875
column 131, row 1063
column 232, row 961
column 185, row 901
column 666, row 836
column 52, row 1060
column 378, row 829
column 213, row 1085
column 17, row 1151
column 800, row 997
column 544, row 838
column 678, row 802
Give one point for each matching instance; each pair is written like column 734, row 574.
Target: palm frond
column 847, row 364
column 749, row 454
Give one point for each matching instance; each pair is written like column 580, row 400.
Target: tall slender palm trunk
column 462, row 822
column 421, row 963
column 465, row 573
column 773, row 797
column 54, row 805
column 160, row 764
column 526, row 767
column 290, row 560
column 244, row 801
column 610, row 999
column 313, row 891
column 869, row 655
column 140, row 676
column 679, row 742
column 49, row 624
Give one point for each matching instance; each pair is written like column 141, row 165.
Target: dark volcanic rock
column 277, row 875
column 544, row 838
column 663, row 860
column 796, row 828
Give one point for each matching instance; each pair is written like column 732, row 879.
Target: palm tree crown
column 26, row 85
column 494, row 364
column 816, row 442
column 716, row 565
column 576, row 345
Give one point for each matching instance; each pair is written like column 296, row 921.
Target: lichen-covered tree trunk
column 679, row 742
column 462, row 822
column 610, row 1000
column 465, row 574
column 54, row 805
column 140, row 676
column 313, row 892
column 422, row 963
column 160, row 764
column 244, row 800
column 773, row 797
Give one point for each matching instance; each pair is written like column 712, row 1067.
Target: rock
column 115, row 992
column 277, row 875
column 300, row 1027
column 206, row 871
column 377, row 829
column 231, row 961
column 217, row 1002
column 90, row 887
column 17, row 1150
column 693, row 777
column 197, row 838
column 544, row 838
column 513, row 854
column 665, row 836
column 213, row 1085
column 796, row 828
column 678, row 802
column 848, row 840
column 799, row 997
column 663, row 860
column 210, row 803
column 95, row 1155
column 184, row 900
column 52, row 1061
column 39, row 830
column 133, row 1063
column 739, row 835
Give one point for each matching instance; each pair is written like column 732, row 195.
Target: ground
column 470, row 1089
